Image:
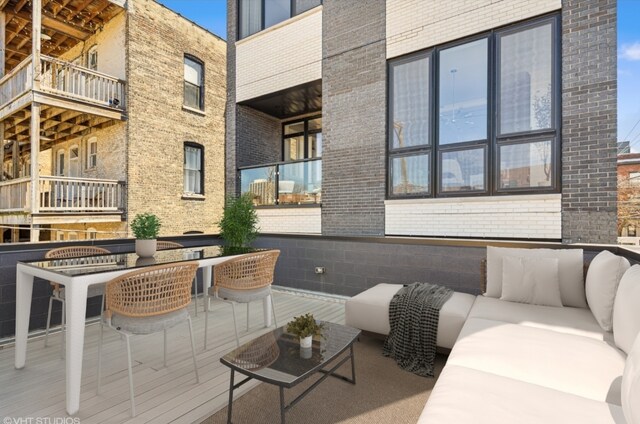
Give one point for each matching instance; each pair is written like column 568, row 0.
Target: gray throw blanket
column 413, row 316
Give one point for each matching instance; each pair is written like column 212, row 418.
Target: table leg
column 266, row 308
column 76, row 307
column 230, row 397
column 24, row 289
column 206, row 284
column 353, row 366
column 282, row 408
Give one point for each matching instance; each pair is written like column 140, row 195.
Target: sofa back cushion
column 570, row 271
column 603, row 277
column 533, row 281
column 626, row 310
column 631, row 385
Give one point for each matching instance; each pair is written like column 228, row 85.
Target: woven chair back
column 151, row 291
column 164, row 245
column 73, row 252
column 247, row 272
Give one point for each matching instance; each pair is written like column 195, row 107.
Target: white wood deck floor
column 163, row 395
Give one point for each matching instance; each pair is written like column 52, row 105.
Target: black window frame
column 200, row 147
column 494, row 140
column 305, row 134
column 202, row 82
column 292, row 12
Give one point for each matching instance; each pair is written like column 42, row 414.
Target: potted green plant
column 145, row 227
column 305, row 327
column 239, row 223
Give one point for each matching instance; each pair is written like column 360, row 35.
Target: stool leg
column 46, row 333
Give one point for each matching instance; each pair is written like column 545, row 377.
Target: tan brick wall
column 104, row 230
column 412, row 25
column 158, row 126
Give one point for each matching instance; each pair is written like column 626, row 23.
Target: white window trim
column 90, row 141
column 61, row 152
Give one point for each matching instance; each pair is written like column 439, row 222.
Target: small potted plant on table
column 305, row 327
column 145, row 227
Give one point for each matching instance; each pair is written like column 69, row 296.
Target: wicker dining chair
column 243, row 279
column 58, row 293
column 148, row 301
column 165, row 245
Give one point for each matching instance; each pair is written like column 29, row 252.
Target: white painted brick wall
column 290, row 220
column 283, row 56
column 416, row 24
column 534, row 216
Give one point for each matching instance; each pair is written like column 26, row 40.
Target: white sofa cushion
column 369, row 311
column 631, row 385
column 467, row 396
column 579, row 321
column 626, row 309
column 603, row 277
column 570, row 270
column 533, row 281
column 565, row 362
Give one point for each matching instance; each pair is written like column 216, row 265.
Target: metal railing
column 284, row 183
column 77, row 82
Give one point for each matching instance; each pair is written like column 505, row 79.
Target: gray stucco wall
column 589, row 121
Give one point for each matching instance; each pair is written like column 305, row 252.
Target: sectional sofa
column 541, row 345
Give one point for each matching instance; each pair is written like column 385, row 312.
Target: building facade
column 629, row 198
column 485, row 119
column 123, row 119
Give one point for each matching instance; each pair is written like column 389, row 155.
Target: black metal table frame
column 284, row 408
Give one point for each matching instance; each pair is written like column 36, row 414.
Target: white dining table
column 77, row 274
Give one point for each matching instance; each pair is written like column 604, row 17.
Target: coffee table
column 276, row 358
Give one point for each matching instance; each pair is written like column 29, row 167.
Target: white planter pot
column 305, row 343
column 306, row 352
column 145, row 248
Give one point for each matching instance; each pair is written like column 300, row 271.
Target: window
column 256, row 15
column 302, row 139
column 60, row 167
column 193, row 83
column 477, row 116
column 74, row 161
column 92, row 58
column 92, row 153
column 193, row 170
column 92, row 233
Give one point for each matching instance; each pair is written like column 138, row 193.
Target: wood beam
column 51, row 22
column 20, row 5
column 19, row 28
column 57, row 7
column 95, row 13
column 80, row 8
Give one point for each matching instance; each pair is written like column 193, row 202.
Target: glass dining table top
column 87, row 265
column 277, row 358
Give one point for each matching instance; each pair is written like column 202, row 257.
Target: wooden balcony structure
column 45, row 100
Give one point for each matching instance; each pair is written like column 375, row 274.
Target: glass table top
column 276, row 357
column 122, row 261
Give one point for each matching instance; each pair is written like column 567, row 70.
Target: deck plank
column 163, row 395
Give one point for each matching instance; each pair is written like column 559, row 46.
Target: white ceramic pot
column 306, row 352
column 146, row 248
column 305, row 343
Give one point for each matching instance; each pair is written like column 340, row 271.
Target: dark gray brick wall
column 232, row 178
column 589, row 111
column 354, row 111
column 259, row 137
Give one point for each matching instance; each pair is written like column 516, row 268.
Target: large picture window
column 256, row 15
column 193, row 168
column 477, row 116
column 302, row 139
column 193, row 83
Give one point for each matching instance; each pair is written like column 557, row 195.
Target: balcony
column 62, row 195
column 284, row 183
column 59, row 83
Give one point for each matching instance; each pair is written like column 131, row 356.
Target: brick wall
column 411, row 26
column 158, row 125
column 589, row 84
column 259, row 137
column 283, row 56
column 519, row 217
column 354, row 115
column 232, row 178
